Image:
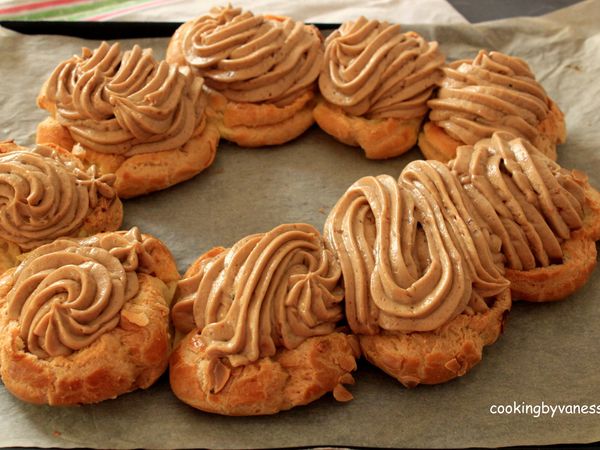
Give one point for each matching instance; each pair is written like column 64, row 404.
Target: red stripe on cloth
column 111, row 14
column 37, row 5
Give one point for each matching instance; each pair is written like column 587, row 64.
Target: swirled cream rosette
column 374, row 85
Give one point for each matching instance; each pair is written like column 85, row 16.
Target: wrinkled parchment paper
column 549, row 353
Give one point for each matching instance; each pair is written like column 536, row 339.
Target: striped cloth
column 330, row 11
column 74, row 10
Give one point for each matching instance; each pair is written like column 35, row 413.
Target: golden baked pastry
column 47, row 193
column 259, row 72
column 259, row 321
column 131, row 115
column 374, row 86
column 547, row 217
column 85, row 320
column 493, row 92
column 422, row 273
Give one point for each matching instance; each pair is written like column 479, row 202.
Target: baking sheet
column 549, row 354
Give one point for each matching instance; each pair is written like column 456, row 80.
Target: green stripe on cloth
column 75, row 12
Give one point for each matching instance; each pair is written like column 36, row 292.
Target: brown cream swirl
column 372, row 69
column 493, row 92
column 404, row 249
column 126, row 102
column 44, row 196
column 252, row 58
column 67, row 294
column 528, row 200
column 268, row 291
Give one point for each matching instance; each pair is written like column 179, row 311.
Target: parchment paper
column 549, row 353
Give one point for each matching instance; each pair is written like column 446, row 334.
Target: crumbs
column 575, row 67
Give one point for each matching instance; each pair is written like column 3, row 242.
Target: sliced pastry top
column 45, row 195
column 253, row 58
column 125, row 103
column 375, row 70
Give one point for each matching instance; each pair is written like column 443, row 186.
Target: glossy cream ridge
column 528, row 200
column 413, row 252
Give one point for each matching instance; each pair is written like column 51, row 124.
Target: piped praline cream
column 252, row 58
column 493, row 92
column 373, row 69
column 526, row 199
column 44, row 196
column 414, row 252
column 269, row 291
column 67, row 294
column 125, row 103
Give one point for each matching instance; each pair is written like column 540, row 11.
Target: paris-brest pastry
column 143, row 120
column 547, row 217
column 85, row 320
column 374, row 86
column 258, row 326
column 260, row 72
column 424, row 290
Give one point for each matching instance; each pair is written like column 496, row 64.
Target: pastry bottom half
column 440, row 355
column 260, row 124
column 289, row 378
column 379, row 138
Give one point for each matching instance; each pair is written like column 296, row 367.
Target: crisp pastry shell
column 145, row 172
column 440, row 355
column 263, row 124
column 133, row 355
column 106, row 216
column 379, row 138
column 271, row 384
column 436, row 144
